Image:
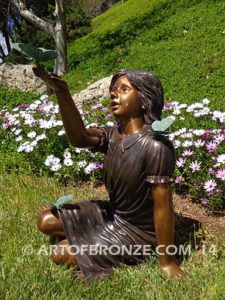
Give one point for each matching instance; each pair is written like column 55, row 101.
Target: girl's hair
column 149, row 89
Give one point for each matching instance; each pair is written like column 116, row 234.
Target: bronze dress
column 131, row 166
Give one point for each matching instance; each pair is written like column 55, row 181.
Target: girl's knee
column 45, row 221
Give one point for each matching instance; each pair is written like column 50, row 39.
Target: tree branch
column 28, row 15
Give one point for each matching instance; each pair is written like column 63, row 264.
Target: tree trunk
column 58, row 32
column 60, row 38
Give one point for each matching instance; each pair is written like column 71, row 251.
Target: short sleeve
column 159, row 160
column 104, row 133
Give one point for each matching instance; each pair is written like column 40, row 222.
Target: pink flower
column 205, row 201
column 210, row 185
column 195, row 166
column 168, row 105
column 109, row 116
column 187, row 152
column 199, row 143
column 24, row 105
column 6, row 125
column 180, row 162
column 211, row 146
column 178, row 179
column 198, row 185
column 221, row 174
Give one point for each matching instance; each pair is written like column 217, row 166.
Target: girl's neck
column 130, row 126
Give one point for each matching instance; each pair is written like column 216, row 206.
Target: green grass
column 13, row 97
column 180, row 41
column 36, row 277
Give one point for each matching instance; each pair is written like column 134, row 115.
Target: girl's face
column 125, row 102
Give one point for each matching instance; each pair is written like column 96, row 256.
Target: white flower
column 187, row 135
column 33, row 144
column 219, row 138
column 221, row 159
column 198, row 132
column 56, row 161
column 18, row 131
column 68, row 162
column 19, row 138
column 40, row 137
column 67, row 154
column 33, row 106
column 56, row 167
column 205, row 101
column 81, row 164
column 44, row 97
column 183, row 105
column 218, row 115
column 92, row 125
column 51, row 160
column 78, row 150
column 58, row 123
column 176, row 143
column 176, row 112
column 61, row 132
column 175, row 103
column 187, row 143
column 192, row 107
column 110, row 123
column 15, row 109
column 37, row 102
column 32, row 134
column 89, row 168
column 28, row 148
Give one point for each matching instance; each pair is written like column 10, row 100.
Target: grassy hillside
column 181, row 41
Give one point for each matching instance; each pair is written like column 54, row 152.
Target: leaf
column 33, row 53
column 63, row 199
column 46, row 201
column 47, row 54
column 161, row 126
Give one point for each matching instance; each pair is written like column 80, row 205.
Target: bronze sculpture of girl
column 138, row 166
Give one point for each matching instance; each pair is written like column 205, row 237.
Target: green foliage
column 180, row 41
column 78, row 23
column 13, row 97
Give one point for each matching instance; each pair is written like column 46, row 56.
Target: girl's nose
column 114, row 95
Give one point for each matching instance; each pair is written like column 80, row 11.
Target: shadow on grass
column 187, row 234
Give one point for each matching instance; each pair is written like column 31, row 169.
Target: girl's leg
column 49, row 223
column 61, row 254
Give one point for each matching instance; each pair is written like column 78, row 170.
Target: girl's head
column 149, row 89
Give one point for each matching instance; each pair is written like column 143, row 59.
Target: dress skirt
column 101, row 239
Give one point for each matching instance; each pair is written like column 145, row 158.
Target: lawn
column 27, row 275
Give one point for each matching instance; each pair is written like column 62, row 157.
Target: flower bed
column 36, row 132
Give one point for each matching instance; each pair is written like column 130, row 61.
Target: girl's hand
column 51, row 79
column 172, row 270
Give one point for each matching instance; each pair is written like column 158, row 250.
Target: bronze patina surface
column 138, row 167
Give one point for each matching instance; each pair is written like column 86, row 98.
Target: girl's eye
column 126, row 90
